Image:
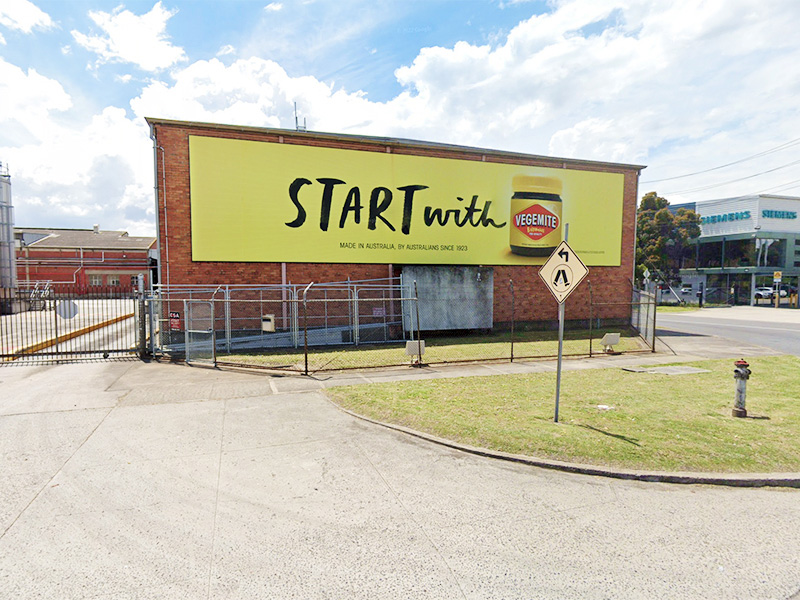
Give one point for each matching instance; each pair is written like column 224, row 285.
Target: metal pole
column 305, row 326
column 511, row 284
column 55, row 318
column 186, row 323
column 142, row 322
column 214, row 331
column 419, row 337
column 591, row 316
column 228, row 324
column 560, row 337
column 355, row 322
column 560, row 352
column 655, row 312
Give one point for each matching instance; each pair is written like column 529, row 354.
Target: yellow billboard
column 267, row 202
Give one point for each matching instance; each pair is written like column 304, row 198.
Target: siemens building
column 748, row 251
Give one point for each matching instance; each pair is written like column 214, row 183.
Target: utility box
column 268, row 323
column 415, row 348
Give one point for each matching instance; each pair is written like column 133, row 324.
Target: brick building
column 84, row 258
column 247, row 205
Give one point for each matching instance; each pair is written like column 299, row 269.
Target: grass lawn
column 527, row 344
column 678, row 308
column 658, row 422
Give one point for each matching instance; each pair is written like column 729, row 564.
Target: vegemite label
column 536, row 222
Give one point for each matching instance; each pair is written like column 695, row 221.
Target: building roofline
column 133, row 243
column 387, row 141
column 745, row 197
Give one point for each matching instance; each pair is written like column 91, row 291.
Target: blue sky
column 681, row 86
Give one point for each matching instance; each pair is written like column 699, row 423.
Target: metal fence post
column 305, row 326
column 142, row 321
column 55, row 318
column 419, row 337
column 356, row 322
column 151, row 316
column 511, row 285
column 655, row 310
column 591, row 316
column 227, row 319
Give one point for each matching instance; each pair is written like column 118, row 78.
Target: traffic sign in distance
column 562, row 272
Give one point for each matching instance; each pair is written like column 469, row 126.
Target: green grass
column 679, row 308
column 494, row 346
column 658, row 422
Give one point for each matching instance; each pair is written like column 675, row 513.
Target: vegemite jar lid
column 536, row 185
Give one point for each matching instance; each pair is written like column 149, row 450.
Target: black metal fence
column 54, row 323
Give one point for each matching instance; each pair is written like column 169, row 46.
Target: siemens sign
column 742, row 215
column 778, row 214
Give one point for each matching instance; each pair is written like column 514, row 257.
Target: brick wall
column 70, row 265
column 533, row 300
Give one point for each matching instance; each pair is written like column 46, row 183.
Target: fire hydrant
column 741, row 374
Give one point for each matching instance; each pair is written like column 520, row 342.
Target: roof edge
column 388, row 141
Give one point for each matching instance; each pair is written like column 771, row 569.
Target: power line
column 782, row 187
column 736, row 162
column 708, row 187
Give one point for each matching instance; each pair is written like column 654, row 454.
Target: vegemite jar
column 535, row 215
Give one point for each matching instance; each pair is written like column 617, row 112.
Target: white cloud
column 67, row 172
column 226, row 50
column 24, row 16
column 129, row 38
column 274, row 7
column 27, row 101
column 2, row 40
column 97, row 172
column 604, row 80
column 668, row 84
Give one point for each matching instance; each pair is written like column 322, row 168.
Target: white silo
column 8, row 265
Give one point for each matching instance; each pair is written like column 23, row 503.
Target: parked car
column 686, row 289
column 766, row 292
column 782, row 291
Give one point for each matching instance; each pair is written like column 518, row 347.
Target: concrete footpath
column 128, row 480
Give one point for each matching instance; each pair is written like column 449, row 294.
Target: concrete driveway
column 132, row 480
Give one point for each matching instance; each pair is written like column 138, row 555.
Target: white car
column 767, row 292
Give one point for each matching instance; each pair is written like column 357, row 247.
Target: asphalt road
column 778, row 329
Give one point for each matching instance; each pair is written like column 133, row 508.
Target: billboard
column 268, row 202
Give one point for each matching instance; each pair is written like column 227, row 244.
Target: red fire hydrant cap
column 741, row 363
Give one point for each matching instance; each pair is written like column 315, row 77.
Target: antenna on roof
column 297, row 122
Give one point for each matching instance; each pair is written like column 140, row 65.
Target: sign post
column 562, row 273
column 777, row 276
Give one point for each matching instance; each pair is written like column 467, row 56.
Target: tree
column 663, row 238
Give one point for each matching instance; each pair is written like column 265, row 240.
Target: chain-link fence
column 365, row 324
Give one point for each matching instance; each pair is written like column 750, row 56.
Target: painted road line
column 39, row 346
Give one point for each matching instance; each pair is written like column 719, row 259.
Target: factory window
column 113, row 280
column 95, row 280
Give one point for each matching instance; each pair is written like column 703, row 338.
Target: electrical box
column 415, row 348
column 268, row 323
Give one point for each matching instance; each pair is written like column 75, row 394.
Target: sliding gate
column 57, row 323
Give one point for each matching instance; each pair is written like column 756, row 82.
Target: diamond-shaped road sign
column 562, row 272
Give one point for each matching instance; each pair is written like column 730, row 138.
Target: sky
column 703, row 92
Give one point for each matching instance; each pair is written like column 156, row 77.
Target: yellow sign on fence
column 267, row 202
